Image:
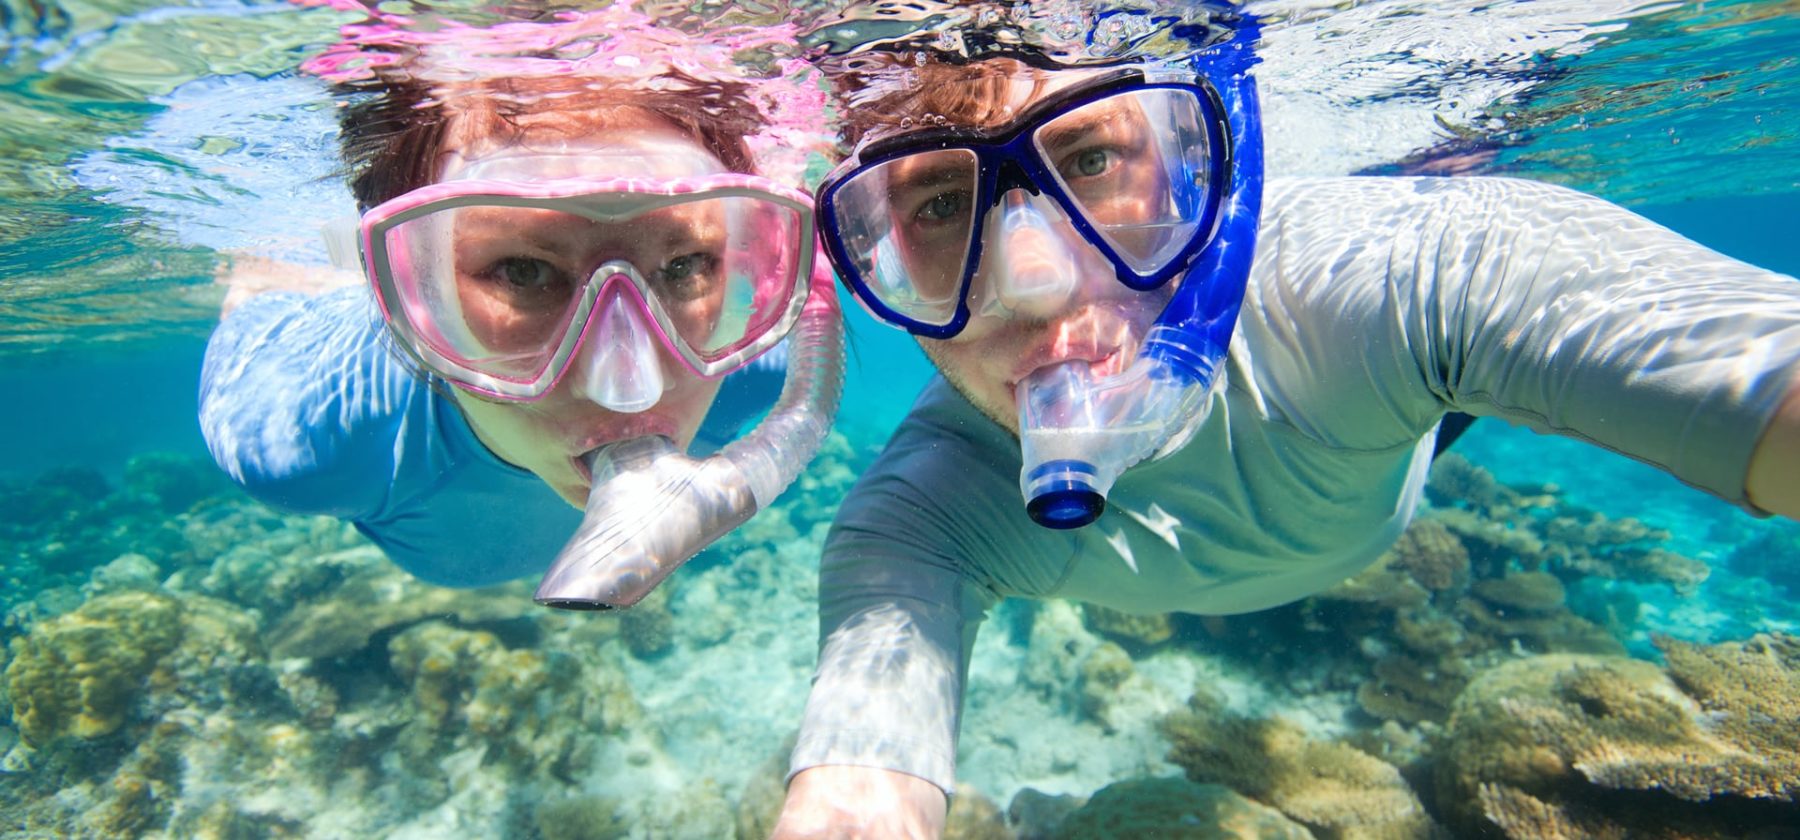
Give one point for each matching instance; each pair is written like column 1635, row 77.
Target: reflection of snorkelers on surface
column 569, row 255
column 1268, row 420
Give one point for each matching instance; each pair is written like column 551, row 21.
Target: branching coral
column 1175, row 809
column 1334, row 788
column 1431, row 555
column 1553, row 744
column 1774, row 554
column 1140, row 630
column 1456, row 481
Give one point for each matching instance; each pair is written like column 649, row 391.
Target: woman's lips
column 622, row 428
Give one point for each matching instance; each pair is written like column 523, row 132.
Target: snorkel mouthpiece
column 652, row 506
column 1077, row 433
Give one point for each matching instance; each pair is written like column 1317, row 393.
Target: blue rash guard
column 305, row 404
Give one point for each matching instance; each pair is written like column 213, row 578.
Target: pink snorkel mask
column 499, row 286
column 532, row 266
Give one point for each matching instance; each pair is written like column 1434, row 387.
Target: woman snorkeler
column 570, row 235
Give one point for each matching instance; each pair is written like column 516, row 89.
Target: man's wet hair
column 895, row 65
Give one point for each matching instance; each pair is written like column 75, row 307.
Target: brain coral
column 78, row 674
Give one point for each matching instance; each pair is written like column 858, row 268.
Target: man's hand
column 841, row 803
column 1773, row 482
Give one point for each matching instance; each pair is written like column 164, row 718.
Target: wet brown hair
column 884, row 91
column 396, row 128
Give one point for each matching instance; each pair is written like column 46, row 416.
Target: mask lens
column 494, row 288
column 907, row 226
column 490, row 288
column 728, row 269
column 1137, row 166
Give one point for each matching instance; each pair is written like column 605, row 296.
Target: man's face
column 1042, row 294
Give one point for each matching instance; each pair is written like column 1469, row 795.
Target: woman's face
column 518, row 269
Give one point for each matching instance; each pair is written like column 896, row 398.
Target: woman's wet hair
column 396, row 128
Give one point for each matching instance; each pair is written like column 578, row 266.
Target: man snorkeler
column 564, row 257
column 1166, row 388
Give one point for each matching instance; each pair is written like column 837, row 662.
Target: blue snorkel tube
column 1078, row 433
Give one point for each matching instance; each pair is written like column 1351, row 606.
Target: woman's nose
column 1029, row 265
column 620, row 364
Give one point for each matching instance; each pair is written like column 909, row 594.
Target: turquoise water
column 130, row 165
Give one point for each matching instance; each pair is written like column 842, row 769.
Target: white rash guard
column 1376, row 306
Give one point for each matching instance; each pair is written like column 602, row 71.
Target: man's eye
column 526, row 273
column 943, row 207
column 1090, row 162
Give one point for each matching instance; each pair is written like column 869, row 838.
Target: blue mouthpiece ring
column 1066, row 508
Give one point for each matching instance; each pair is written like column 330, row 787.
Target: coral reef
column 759, row 804
column 1104, row 671
column 171, row 483
column 973, row 816
column 1137, row 631
column 1059, row 644
column 378, row 598
column 164, row 645
column 648, row 628
column 79, row 674
column 1591, row 746
column 1480, row 579
column 1034, row 815
column 1175, row 809
column 581, row 817
column 1431, row 556
column 1534, row 529
column 1773, row 555
column 1331, row 787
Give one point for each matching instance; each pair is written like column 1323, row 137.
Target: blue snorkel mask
column 1157, row 167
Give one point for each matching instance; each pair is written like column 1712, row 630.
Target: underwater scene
column 1564, row 643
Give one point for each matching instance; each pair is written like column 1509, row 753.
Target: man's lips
column 1100, row 343
column 1100, row 363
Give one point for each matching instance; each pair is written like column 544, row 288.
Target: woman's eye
column 684, row 274
column 1090, row 162
column 942, row 207
column 526, row 273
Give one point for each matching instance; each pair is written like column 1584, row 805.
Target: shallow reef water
column 1611, row 655
column 183, row 662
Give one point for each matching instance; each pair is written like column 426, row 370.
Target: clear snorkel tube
column 1078, row 433
column 652, row 506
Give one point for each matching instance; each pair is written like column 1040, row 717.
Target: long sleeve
column 1388, row 301
column 910, row 569
column 301, row 404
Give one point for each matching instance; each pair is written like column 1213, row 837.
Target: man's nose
column 620, row 366
column 1029, row 265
